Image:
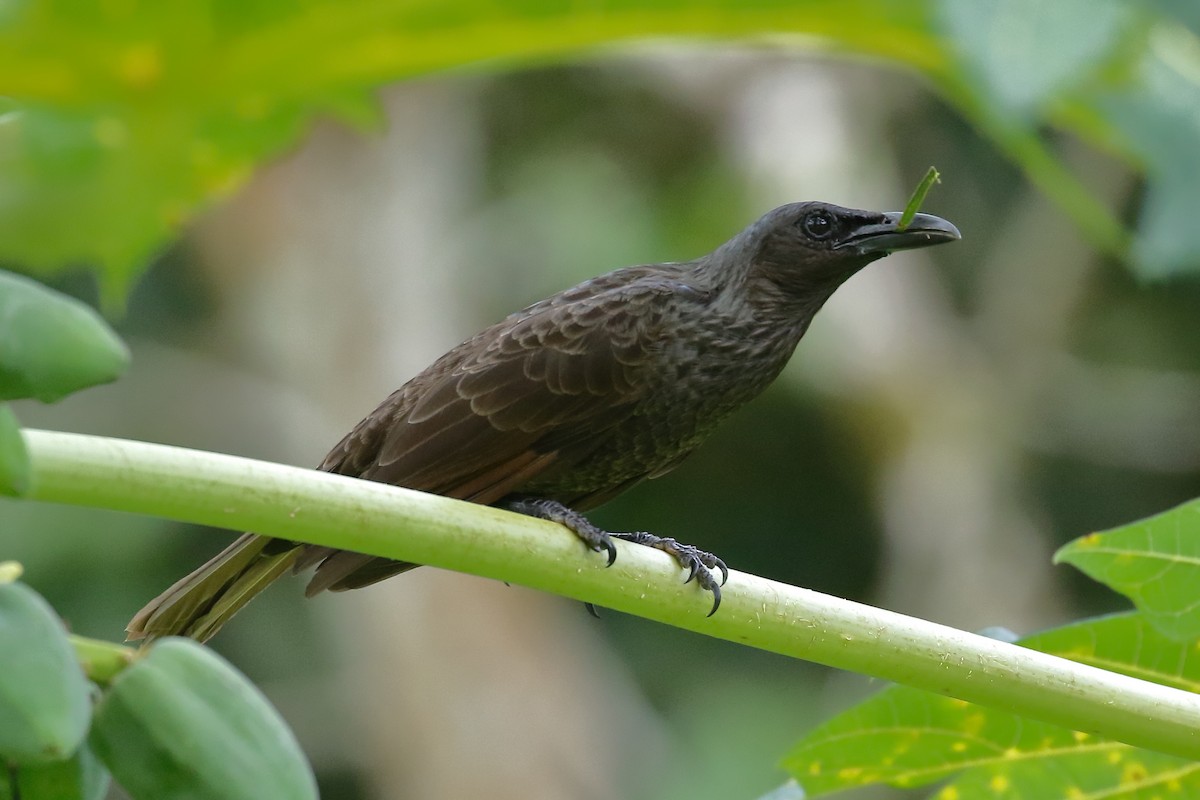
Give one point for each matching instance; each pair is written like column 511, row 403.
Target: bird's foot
column 699, row 563
column 596, row 539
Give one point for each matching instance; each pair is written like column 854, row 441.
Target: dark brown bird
column 566, row 404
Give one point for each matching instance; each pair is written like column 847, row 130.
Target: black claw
column 608, row 545
column 724, row 570
column 592, row 610
column 716, row 592
column 692, row 566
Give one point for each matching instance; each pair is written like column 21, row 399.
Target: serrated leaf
column 52, row 345
column 1154, row 562
column 907, row 737
column 15, row 469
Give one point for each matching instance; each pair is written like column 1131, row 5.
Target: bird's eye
column 818, row 224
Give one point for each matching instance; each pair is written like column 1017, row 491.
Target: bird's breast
column 695, row 382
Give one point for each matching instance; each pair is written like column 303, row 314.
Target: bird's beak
column 886, row 236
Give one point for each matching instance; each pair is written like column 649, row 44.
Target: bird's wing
column 533, row 393
column 518, row 394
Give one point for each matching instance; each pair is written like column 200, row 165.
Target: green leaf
column 15, row 470
column 918, row 197
column 1154, row 562
column 52, row 345
column 132, row 119
column 907, row 737
column 1022, row 54
column 122, row 121
column 1155, row 118
column 1019, row 64
column 1186, row 11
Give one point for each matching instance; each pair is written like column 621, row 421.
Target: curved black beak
column 884, row 237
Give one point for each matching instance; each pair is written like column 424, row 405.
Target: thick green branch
column 310, row 506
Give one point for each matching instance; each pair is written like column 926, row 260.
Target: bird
column 573, row 400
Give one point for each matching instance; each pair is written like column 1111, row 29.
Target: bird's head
column 803, row 251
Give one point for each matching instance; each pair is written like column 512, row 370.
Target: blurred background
column 951, row 417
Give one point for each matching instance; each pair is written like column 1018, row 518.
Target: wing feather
column 533, row 393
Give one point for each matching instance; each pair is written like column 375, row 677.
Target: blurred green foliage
column 45, row 701
column 52, row 345
column 906, row 737
column 124, row 118
column 80, row 777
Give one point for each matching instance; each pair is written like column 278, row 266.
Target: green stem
column 101, row 661
column 309, row 506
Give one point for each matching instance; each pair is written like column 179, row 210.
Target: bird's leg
column 699, row 563
column 595, row 538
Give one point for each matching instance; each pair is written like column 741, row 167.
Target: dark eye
column 818, row 224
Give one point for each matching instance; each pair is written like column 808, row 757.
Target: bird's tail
column 200, row 603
